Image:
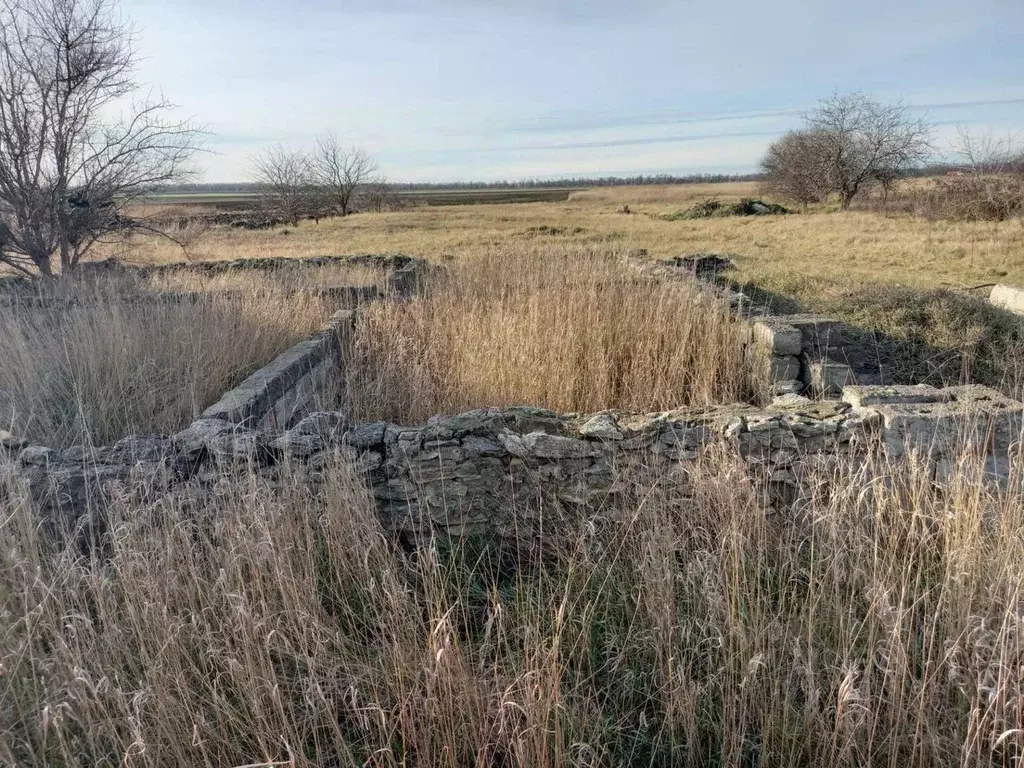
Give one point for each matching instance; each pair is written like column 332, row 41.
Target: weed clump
column 713, row 208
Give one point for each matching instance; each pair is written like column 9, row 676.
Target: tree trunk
column 43, row 265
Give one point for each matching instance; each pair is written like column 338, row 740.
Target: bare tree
column 863, row 140
column 341, row 171
column 795, row 168
column 286, row 182
column 68, row 171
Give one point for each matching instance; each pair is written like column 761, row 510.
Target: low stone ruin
column 484, row 470
column 491, row 469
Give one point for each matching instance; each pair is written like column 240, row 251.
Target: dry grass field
column 266, row 627
column 805, row 254
column 563, row 328
column 110, row 367
column 904, row 277
column 272, row 623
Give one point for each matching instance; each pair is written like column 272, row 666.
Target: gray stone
column 545, row 446
column 1008, row 297
column 294, row 443
column 603, row 427
column 829, row 378
column 789, row 387
column 328, row 425
column 481, row 446
column 525, row 419
column 819, row 333
column 11, row 442
column 783, row 368
column 862, row 396
column 790, row 400
column 367, row 435
column 514, row 444
column 735, row 427
column 778, row 337
column 996, row 470
column 197, row 438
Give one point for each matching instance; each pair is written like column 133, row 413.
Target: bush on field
column 712, row 208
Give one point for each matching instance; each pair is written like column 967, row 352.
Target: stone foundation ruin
column 484, row 470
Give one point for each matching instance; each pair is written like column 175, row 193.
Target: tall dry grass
column 880, row 626
column 300, row 278
column 567, row 328
column 112, row 365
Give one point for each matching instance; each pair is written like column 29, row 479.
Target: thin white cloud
column 495, row 88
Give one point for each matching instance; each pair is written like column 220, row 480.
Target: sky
column 446, row 90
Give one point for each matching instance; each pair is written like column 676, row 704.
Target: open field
column 905, row 277
column 811, row 253
column 416, row 197
column 732, row 603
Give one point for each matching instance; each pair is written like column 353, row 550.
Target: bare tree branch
column 340, row 171
column 863, row 140
column 67, row 172
column 286, row 182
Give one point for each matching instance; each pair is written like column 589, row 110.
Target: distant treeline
column 936, row 169
column 573, row 182
column 604, row 181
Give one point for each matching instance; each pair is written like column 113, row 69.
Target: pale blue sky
column 493, row 89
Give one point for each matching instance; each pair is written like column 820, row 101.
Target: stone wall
column 294, row 384
column 401, row 276
column 488, row 470
column 786, row 353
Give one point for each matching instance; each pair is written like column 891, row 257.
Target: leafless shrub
column 67, row 170
column 341, row 172
column 795, row 168
column 285, row 177
column 989, row 186
column 850, row 142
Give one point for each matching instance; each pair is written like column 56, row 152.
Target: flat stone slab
column 829, row 379
column 1008, row 297
column 778, row 336
column 819, row 333
column 972, row 418
column 860, row 396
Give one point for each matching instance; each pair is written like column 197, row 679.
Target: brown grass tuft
column 569, row 329
column 113, row 366
column 878, row 627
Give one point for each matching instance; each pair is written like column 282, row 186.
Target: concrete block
column 783, row 368
column 819, row 334
column 992, row 426
column 1008, row 297
column 899, row 394
column 828, row 379
column 778, row 337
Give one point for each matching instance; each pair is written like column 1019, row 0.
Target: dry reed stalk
column 881, row 626
column 569, row 329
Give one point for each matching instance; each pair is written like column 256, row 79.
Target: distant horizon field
column 455, row 196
